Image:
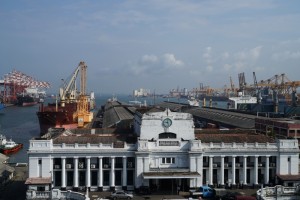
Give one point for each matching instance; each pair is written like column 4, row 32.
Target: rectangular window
column 226, row 159
column 168, row 160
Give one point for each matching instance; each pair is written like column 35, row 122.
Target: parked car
column 204, row 191
column 121, row 195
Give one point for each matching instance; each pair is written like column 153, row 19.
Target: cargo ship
column 54, row 115
column 71, row 109
column 9, row 146
column 26, row 100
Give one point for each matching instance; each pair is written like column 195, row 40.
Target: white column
column 88, row 172
column 256, row 170
column 245, row 170
column 199, row 170
column 193, row 164
column 211, row 159
column 124, row 172
column 267, row 175
column 51, row 171
column 139, row 171
column 63, row 172
column 222, row 170
column 100, row 173
column 146, row 164
column 233, row 170
column 112, row 172
column 193, row 168
column 75, row 172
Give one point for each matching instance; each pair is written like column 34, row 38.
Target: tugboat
column 9, row 146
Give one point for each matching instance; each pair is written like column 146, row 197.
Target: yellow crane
column 83, row 109
column 281, row 85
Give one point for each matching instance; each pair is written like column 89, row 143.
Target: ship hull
column 53, row 116
column 213, row 98
column 11, row 150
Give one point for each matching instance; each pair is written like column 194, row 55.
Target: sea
column 21, row 123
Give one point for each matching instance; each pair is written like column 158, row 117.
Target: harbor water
column 21, row 123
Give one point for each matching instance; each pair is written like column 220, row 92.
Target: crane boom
column 68, row 93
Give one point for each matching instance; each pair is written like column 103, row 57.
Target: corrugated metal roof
column 227, row 117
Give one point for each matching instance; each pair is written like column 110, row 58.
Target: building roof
column 289, row 177
column 115, row 112
column 38, row 181
column 229, row 136
column 94, row 138
column 216, row 115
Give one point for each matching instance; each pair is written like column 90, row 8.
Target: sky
column 153, row 44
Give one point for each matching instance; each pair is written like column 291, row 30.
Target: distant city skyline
column 152, row 44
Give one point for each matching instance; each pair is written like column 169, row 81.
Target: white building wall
column 139, row 170
column 151, row 125
column 294, row 168
column 33, row 167
column 46, row 166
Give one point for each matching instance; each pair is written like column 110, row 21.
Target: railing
column 278, row 192
column 54, row 194
column 89, row 146
column 239, row 145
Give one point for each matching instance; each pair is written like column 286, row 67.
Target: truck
column 204, row 192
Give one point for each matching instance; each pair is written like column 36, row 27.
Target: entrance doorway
column 168, row 185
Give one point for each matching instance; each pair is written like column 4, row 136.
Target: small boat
column 193, row 102
column 9, row 146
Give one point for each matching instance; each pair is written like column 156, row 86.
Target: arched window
column 166, row 135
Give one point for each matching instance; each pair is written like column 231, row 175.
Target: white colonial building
column 163, row 152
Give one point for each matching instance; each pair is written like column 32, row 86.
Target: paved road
column 182, row 195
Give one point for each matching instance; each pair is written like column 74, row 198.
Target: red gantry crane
column 15, row 83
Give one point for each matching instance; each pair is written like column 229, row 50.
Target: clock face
column 167, row 122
